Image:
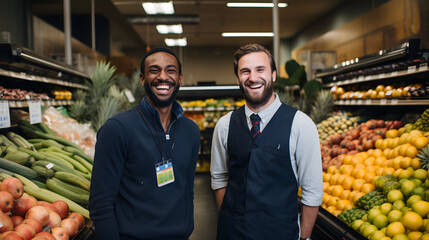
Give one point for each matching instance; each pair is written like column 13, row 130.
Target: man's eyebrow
column 157, row 66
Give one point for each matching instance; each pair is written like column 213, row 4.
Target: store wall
column 14, row 23
column 384, row 26
column 208, row 64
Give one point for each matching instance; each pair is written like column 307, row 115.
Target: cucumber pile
column 53, row 168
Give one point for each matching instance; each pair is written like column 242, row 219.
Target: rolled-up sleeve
column 219, row 153
column 308, row 160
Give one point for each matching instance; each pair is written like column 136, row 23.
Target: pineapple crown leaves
column 101, row 80
column 322, row 106
column 424, row 157
column 79, row 111
column 107, row 108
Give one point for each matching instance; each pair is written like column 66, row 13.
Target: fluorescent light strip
column 153, row 8
column 166, row 29
column 247, row 34
column 266, row 5
column 172, row 42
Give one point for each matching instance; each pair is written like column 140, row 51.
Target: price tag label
column 27, row 97
column 359, row 102
column 412, row 69
column 361, row 78
column 44, row 79
column 394, row 73
column 4, row 114
column 394, row 102
column 383, row 101
column 353, row 102
column 210, row 108
column 35, row 111
column 23, row 74
column 18, row 104
column 341, row 102
column 129, row 95
column 49, row 165
column 368, row 102
column 381, row 75
column 423, row 67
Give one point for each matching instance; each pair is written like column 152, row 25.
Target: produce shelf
column 24, row 104
column 397, row 75
column 381, row 102
column 327, row 227
column 30, row 77
column 408, row 50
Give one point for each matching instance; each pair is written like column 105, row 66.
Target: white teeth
column 162, row 87
column 255, row 86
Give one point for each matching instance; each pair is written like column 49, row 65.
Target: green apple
column 418, row 191
column 370, row 229
column 372, row 213
column 395, row 195
column 377, row 235
column 385, row 208
column 380, row 221
column 398, row 205
column 413, row 199
column 407, row 187
column 356, row 224
column 394, row 216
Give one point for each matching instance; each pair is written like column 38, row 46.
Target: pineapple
column 423, row 122
column 424, row 157
column 322, row 107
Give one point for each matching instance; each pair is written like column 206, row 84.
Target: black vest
column 261, row 196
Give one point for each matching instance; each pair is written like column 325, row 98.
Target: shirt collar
column 176, row 109
column 266, row 112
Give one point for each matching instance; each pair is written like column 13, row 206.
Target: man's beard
column 256, row 102
column 158, row 102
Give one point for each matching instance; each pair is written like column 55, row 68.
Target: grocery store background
column 317, row 34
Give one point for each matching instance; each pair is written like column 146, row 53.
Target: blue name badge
column 164, row 173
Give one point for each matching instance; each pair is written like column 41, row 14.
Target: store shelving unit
column 404, row 65
column 22, row 68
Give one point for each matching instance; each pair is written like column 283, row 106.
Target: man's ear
column 180, row 79
column 142, row 79
column 274, row 75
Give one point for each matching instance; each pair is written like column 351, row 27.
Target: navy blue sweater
column 125, row 200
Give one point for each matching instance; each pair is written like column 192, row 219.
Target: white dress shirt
column 304, row 152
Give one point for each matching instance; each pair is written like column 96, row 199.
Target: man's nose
column 163, row 75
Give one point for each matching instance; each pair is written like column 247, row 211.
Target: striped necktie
column 256, row 120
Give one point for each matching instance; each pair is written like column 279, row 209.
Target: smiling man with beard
column 145, row 158
column 261, row 153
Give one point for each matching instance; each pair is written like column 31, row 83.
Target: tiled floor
column 205, row 210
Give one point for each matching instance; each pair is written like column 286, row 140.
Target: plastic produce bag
column 81, row 134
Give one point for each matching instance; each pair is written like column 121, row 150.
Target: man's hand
column 220, row 194
column 308, row 218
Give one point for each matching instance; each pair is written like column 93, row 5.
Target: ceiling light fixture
column 247, row 34
column 244, row 4
column 172, row 42
column 168, row 29
column 153, row 8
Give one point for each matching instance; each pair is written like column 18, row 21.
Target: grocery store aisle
column 205, row 210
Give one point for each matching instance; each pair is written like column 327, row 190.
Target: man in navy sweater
column 145, row 158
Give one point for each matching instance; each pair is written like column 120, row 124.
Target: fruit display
column 360, row 138
column 23, row 217
column 211, row 102
column 382, row 191
column 335, row 124
column 61, row 94
column 52, row 168
column 206, row 113
column 381, row 92
column 18, row 94
column 423, row 122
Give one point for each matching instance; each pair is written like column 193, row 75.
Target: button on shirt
column 304, row 150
